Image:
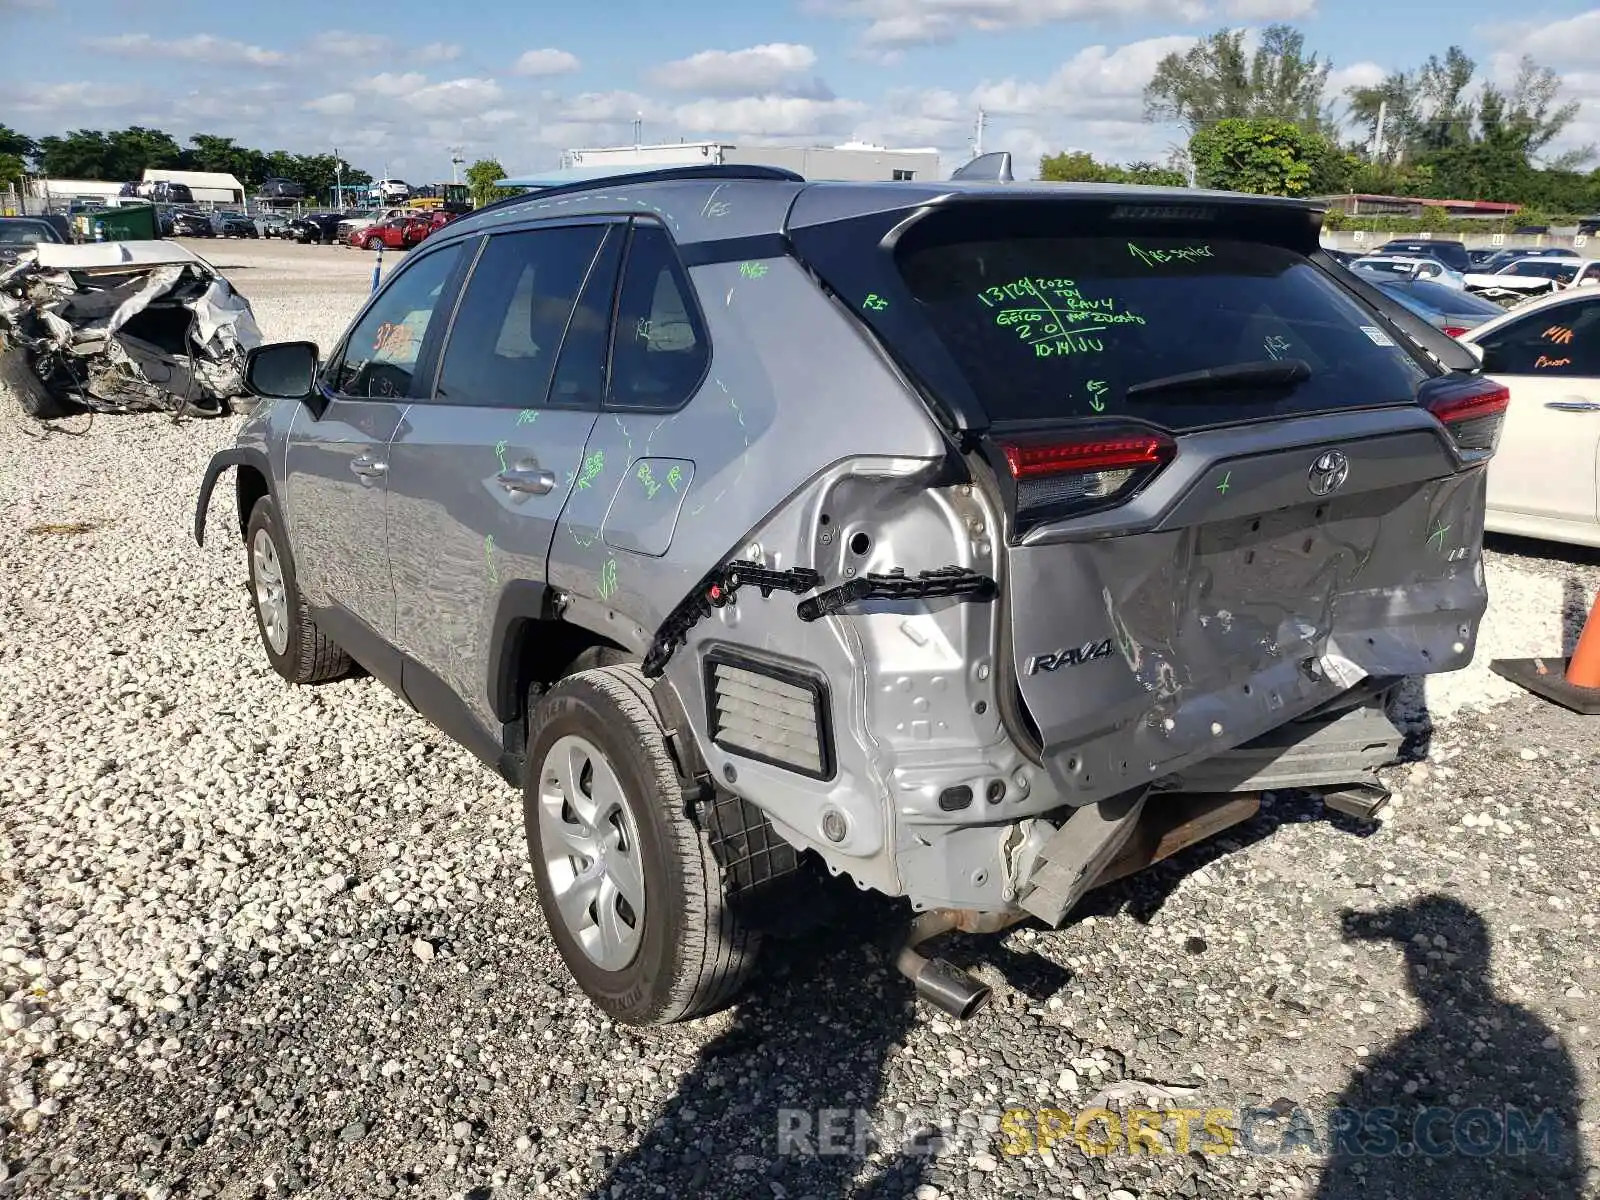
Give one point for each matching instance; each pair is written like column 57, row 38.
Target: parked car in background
column 397, row 233
column 1505, row 257
column 364, row 218
column 187, row 222
column 1542, row 482
column 19, row 234
column 1452, row 310
column 1479, row 257
column 1395, row 266
column 322, row 228
column 234, row 224
column 1451, row 254
column 1528, row 274
column 391, row 190
column 165, row 191
column 277, row 188
column 273, row 224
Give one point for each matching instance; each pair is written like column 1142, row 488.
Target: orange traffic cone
column 1572, row 683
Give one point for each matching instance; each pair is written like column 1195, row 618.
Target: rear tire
column 37, row 398
column 596, row 738
column 295, row 647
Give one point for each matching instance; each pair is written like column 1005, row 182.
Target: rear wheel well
column 538, row 654
column 249, row 485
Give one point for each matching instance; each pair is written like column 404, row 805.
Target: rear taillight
column 1454, row 330
column 1471, row 408
column 1065, row 476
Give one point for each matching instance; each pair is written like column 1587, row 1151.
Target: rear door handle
column 528, row 478
column 368, row 467
column 1574, row 404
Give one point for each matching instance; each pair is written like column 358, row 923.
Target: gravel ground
column 257, row 940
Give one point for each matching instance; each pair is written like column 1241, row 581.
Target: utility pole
column 638, row 130
column 338, row 179
column 455, row 164
column 977, row 133
column 1377, row 134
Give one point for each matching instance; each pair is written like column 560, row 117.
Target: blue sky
column 395, row 84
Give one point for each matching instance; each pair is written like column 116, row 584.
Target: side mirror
column 284, row 371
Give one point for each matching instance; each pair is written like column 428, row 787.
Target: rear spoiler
column 1446, row 349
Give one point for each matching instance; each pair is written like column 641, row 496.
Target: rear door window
column 1046, row 327
column 514, row 313
column 660, row 352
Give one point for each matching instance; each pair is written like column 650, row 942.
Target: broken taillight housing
column 1059, row 475
column 1472, row 409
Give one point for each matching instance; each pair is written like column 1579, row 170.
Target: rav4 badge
column 1075, row 656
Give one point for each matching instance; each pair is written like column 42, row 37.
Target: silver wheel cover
column 272, row 599
column 589, row 843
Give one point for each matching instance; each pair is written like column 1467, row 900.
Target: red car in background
column 397, row 233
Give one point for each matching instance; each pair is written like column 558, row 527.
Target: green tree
column 481, row 177
column 12, row 169
column 79, row 154
column 1216, row 80
column 131, row 151
column 1265, row 157
column 1079, row 167
column 19, row 144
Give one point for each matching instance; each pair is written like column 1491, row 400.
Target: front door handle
column 368, row 467
column 528, row 478
column 1574, row 404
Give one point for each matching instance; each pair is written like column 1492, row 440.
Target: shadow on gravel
column 806, row 1060
column 1142, row 896
column 1480, row 1101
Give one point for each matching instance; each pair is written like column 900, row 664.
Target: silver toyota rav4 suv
column 973, row 541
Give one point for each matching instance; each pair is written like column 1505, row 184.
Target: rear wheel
column 628, row 884
column 297, row 649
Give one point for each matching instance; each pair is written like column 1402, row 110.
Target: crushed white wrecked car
column 136, row 326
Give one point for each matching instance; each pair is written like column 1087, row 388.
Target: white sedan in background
column 1544, row 481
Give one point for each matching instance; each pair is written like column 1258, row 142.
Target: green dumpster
column 128, row 223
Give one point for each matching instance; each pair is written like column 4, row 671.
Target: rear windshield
column 1052, row 327
column 22, row 233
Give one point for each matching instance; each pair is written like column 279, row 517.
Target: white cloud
column 1269, row 10
column 455, row 97
column 897, row 23
column 546, row 62
column 1098, row 81
column 342, row 44
column 767, row 116
column 389, row 84
column 201, row 47
column 1573, row 42
column 336, row 104
column 1358, row 75
column 53, row 98
column 606, row 108
column 754, row 71
column 437, row 52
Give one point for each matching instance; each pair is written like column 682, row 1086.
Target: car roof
column 708, row 203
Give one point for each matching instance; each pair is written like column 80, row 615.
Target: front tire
column 297, row 649
column 629, row 886
column 374, row 243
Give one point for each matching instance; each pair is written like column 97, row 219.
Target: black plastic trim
column 739, row 249
column 522, row 602
column 222, row 460
column 815, row 684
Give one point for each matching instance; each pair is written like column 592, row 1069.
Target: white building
column 858, row 161
column 63, row 191
column 207, row 187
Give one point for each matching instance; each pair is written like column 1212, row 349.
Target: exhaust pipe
column 938, row 981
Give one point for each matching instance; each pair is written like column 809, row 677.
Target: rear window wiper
column 1265, row 374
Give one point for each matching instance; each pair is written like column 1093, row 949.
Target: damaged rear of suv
column 973, row 542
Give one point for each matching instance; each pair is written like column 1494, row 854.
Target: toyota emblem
column 1328, row 473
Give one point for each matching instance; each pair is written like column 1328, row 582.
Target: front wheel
column 374, row 243
column 629, row 887
column 295, row 647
